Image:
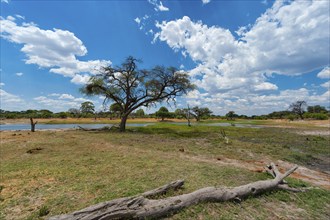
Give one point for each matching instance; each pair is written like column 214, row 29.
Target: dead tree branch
column 141, row 207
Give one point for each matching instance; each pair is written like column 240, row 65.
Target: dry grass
column 74, row 169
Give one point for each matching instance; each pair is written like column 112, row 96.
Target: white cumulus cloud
column 11, row 101
column 19, row 74
column 291, row 38
column 325, row 73
column 59, row 102
column 55, row 49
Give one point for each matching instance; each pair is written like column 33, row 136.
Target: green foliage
column 43, row 211
column 163, row 113
column 132, row 88
column 316, row 116
column 139, row 113
column 231, row 115
column 87, row 108
column 74, row 112
column 201, row 113
column 291, row 117
column 316, row 109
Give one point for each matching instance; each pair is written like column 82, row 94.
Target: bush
column 291, row 117
column 316, row 116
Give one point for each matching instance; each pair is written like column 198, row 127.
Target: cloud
column 206, row 1
column 2, row 84
column 325, row 73
column 80, row 79
column 54, row 49
column 137, row 20
column 290, row 38
column 20, row 17
column 254, row 103
column 158, row 5
column 264, row 2
column 19, row 74
column 265, row 86
column 326, row 85
column 66, row 96
column 141, row 22
column 60, row 102
column 11, row 101
column 54, row 94
column 5, row 1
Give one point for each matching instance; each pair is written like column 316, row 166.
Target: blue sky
column 252, row 57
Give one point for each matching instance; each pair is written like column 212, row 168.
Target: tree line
column 87, row 110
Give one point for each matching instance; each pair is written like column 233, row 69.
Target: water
column 10, row 127
column 222, row 124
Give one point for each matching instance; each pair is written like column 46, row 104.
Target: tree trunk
column 33, row 125
column 144, row 207
column 122, row 126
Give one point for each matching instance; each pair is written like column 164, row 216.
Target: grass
column 75, row 169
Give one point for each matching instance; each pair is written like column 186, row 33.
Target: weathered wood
column 105, row 128
column 33, row 125
column 141, row 207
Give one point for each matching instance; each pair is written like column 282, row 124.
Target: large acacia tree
column 131, row 88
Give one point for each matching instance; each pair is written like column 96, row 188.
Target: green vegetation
column 75, row 169
column 132, row 88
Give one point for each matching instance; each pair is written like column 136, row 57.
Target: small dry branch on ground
column 143, row 206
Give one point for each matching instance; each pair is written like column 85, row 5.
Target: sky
column 251, row 57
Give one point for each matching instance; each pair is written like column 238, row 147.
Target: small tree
column 298, row 108
column 132, row 88
column 140, row 113
column 199, row 113
column 230, row 115
column 184, row 113
column 316, row 109
column 115, row 110
column 87, row 108
column 163, row 113
column 74, row 112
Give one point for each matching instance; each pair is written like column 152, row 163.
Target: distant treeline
column 312, row 112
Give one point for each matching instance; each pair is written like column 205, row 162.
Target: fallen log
column 143, row 206
column 105, row 128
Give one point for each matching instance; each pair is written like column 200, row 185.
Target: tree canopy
column 87, row 107
column 200, row 113
column 163, row 113
column 132, row 88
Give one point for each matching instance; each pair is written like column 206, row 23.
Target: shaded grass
column 75, row 169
